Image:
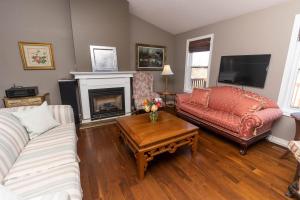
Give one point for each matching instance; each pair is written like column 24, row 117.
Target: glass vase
column 153, row 116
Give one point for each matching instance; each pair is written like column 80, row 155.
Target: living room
column 223, row 152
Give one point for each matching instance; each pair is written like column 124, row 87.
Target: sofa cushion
column 64, row 178
column 224, row 98
column 36, row 120
column 7, row 194
column 52, row 149
column 13, row 138
column 200, row 96
column 220, row 118
column 246, row 105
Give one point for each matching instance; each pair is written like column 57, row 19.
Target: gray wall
column 143, row 32
column 265, row 31
column 103, row 23
column 35, row 21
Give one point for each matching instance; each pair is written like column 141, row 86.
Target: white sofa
column 44, row 166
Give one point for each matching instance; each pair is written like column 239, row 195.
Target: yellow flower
column 147, row 108
column 154, row 108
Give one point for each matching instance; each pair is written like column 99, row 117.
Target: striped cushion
column 54, row 196
column 65, row 178
column 52, row 149
column 13, row 138
column 61, row 113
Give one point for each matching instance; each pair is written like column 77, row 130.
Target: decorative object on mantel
column 103, row 58
column 167, row 72
column 36, row 56
column 150, row 57
column 151, row 107
column 25, row 101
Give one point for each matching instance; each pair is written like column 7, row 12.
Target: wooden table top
column 144, row 132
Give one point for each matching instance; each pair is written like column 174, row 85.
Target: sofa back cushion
column 200, row 96
column 224, row 98
column 246, row 105
column 13, row 138
column 266, row 102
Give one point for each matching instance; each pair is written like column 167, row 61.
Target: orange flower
column 145, row 102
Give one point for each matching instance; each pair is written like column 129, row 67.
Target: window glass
column 200, row 58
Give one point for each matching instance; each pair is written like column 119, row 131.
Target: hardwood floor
column 216, row 172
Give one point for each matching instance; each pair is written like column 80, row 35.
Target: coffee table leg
column 141, row 162
column 195, row 144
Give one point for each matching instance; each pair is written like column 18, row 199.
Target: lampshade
column 167, row 70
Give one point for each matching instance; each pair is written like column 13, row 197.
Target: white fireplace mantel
column 92, row 75
column 99, row 80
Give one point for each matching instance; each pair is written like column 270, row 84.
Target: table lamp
column 166, row 72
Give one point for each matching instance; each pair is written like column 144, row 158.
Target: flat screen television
column 246, row 70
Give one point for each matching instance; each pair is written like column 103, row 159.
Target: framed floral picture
column 36, row 56
column 150, row 57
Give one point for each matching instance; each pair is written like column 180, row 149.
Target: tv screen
column 247, row 70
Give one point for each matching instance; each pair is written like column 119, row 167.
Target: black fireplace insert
column 107, row 102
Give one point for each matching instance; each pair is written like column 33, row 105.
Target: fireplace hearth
column 106, row 102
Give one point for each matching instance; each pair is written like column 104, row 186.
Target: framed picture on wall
column 37, row 56
column 150, row 57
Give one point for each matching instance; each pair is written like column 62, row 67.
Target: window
column 197, row 62
column 289, row 96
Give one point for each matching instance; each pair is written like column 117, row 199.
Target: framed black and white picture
column 103, row 58
column 150, row 57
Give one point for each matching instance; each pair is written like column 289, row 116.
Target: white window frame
column 290, row 72
column 188, row 58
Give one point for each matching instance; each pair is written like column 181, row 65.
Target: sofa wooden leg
column 243, row 150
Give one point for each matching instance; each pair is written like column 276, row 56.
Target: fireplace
column 106, row 102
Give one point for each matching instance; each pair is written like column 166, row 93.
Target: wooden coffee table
column 147, row 139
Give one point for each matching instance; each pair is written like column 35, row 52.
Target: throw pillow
column 200, row 96
column 36, row 120
column 7, row 194
column 246, row 106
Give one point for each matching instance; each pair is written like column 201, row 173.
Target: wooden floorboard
column 216, row 172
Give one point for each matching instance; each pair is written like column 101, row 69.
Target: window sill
column 288, row 111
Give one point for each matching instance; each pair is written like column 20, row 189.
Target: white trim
column 187, row 72
column 279, row 141
column 289, row 75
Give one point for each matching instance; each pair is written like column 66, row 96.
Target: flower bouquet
column 151, row 107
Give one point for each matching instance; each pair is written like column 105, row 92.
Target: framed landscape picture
column 150, row 57
column 36, row 56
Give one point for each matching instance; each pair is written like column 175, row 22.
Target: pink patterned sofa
column 239, row 115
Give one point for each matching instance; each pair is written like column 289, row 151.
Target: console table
column 25, row 101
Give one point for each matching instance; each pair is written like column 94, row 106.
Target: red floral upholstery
column 224, row 98
column 223, row 111
column 246, row 105
column 142, row 85
column 200, row 96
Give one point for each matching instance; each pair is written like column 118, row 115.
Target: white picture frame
column 103, row 58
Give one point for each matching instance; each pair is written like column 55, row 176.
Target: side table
column 25, row 101
column 165, row 95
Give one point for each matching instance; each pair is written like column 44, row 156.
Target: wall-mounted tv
column 246, row 70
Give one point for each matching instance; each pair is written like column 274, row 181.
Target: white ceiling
column 177, row 16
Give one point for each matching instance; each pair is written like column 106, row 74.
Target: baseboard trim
column 279, row 141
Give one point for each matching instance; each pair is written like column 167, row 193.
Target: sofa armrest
column 182, row 98
column 250, row 123
column 53, row 196
column 62, row 113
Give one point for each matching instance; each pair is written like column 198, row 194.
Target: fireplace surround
column 90, row 81
column 107, row 102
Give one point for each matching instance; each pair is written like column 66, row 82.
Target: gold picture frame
column 150, row 57
column 36, row 56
